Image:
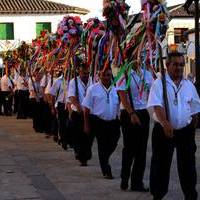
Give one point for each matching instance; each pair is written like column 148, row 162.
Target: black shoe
column 55, row 138
column 139, row 189
column 84, row 164
column 21, row 117
column 47, row 136
column 108, row 176
column 37, row 130
column 108, row 172
column 124, row 185
column 59, row 142
column 64, row 146
column 76, row 156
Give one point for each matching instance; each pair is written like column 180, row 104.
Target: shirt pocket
column 97, row 99
column 187, row 103
column 115, row 99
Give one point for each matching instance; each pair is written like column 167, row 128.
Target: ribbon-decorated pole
column 32, row 82
column 163, row 79
column 116, row 14
column 93, row 41
column 126, row 75
column 30, row 64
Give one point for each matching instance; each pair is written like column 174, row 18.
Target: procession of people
column 68, row 87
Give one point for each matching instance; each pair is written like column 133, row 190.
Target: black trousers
column 163, row 148
column 7, row 98
column 54, row 126
column 16, row 101
column 135, row 139
column 37, row 114
column 107, row 134
column 63, row 121
column 48, row 119
column 82, row 142
column 23, row 104
column 1, row 102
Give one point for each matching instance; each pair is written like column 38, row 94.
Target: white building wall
column 191, row 51
column 178, row 23
column 25, row 25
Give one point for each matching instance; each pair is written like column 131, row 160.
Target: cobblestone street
column 35, row 167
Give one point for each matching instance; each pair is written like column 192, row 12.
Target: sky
column 95, row 6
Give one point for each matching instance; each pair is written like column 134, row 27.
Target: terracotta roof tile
column 176, row 11
column 37, row 7
column 179, row 11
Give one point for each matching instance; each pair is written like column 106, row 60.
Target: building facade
column 23, row 20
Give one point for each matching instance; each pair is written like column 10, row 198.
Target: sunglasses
column 177, row 64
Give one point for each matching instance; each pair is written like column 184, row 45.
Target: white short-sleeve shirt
column 47, row 82
column 22, row 83
column 16, row 76
column 140, row 85
column 6, row 83
column 60, row 89
column 102, row 102
column 38, row 89
column 82, row 89
column 180, row 111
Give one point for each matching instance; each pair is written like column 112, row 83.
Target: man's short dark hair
column 83, row 66
column 37, row 70
column 173, row 55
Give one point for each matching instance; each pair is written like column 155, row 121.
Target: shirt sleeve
column 18, row 83
column 87, row 101
column 195, row 103
column 15, row 79
column 10, row 83
column 30, row 85
column 155, row 95
column 43, row 81
column 72, row 89
column 121, row 84
column 54, row 88
column 150, row 79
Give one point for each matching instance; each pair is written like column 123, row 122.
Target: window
column 40, row 26
column 180, row 36
column 6, row 31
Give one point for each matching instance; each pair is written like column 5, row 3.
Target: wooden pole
column 197, row 50
column 165, row 99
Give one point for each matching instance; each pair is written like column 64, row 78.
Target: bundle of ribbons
column 119, row 42
column 141, row 43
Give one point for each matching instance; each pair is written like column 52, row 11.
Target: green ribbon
column 122, row 71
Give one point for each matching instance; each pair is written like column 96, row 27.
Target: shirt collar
column 107, row 89
column 170, row 81
column 88, row 83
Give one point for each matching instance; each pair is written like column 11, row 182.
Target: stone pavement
column 35, row 168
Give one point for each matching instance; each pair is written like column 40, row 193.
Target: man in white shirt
column 135, row 127
column 77, row 90
column 49, row 120
column 36, row 100
column 58, row 92
column 175, row 131
column 7, row 87
column 23, row 95
column 101, row 109
column 16, row 95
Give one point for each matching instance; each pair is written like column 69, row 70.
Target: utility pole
column 197, row 48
